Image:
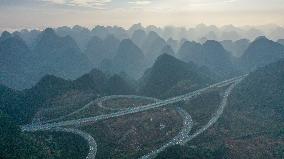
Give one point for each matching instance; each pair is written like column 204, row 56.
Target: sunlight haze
column 16, row 14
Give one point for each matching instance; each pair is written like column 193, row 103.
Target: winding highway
column 187, row 125
column 182, row 138
column 91, row 141
column 100, row 101
column 73, row 113
column 78, row 122
column 216, row 116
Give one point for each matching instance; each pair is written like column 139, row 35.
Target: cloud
column 140, row 2
column 99, row 4
column 56, row 1
column 18, row 2
column 229, row 1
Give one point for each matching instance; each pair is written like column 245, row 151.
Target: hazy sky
column 43, row 13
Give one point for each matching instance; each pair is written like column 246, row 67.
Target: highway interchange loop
column 182, row 138
column 91, row 141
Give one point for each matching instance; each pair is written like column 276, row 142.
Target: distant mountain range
column 237, row 48
column 23, row 66
column 153, row 46
column 66, row 52
column 15, row 62
column 210, row 54
column 98, row 50
column 129, row 59
column 60, row 56
column 210, row 32
column 138, row 37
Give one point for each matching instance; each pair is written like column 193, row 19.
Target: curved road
column 187, row 125
column 216, row 116
column 151, row 106
column 188, row 96
column 182, row 138
column 100, row 101
column 91, row 141
column 73, row 113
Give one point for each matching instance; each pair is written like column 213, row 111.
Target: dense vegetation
column 17, row 145
column 14, row 144
column 190, row 152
